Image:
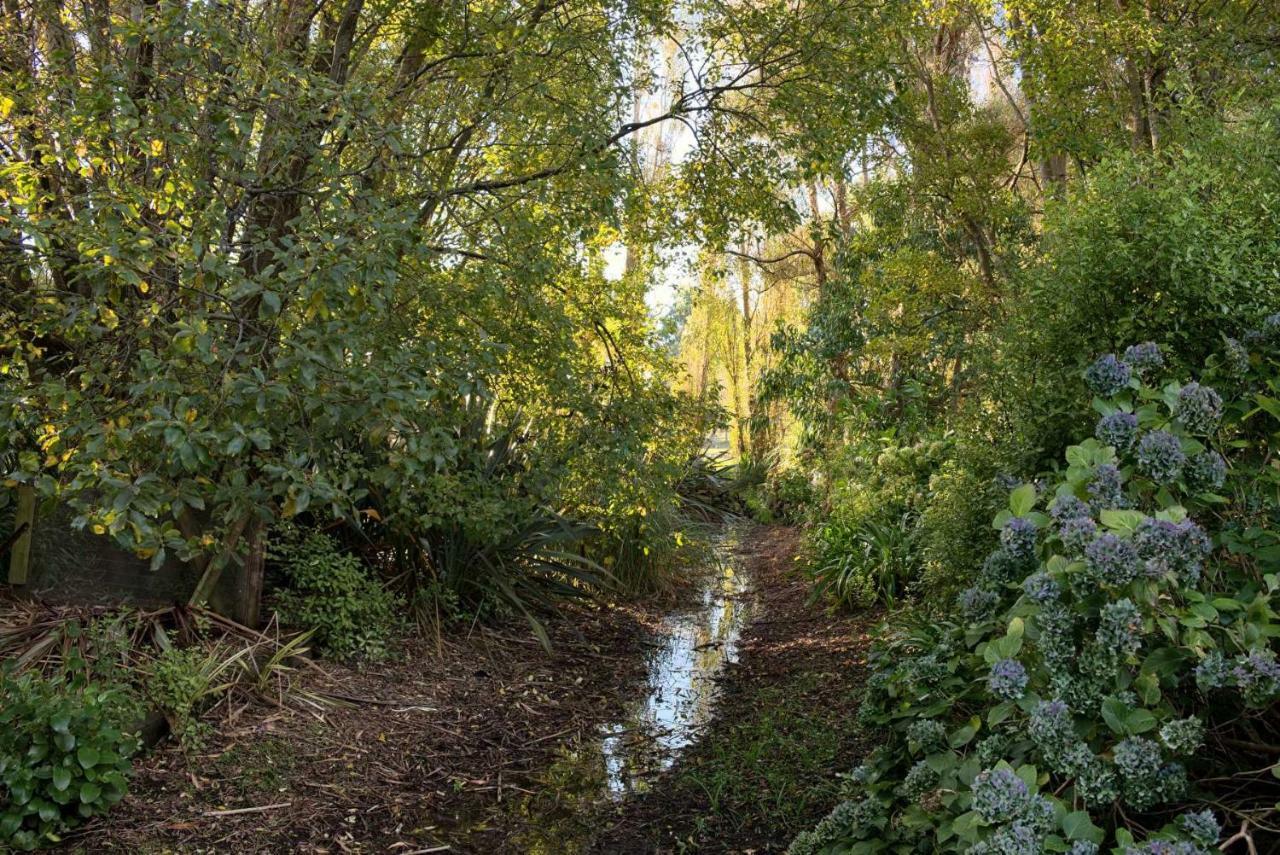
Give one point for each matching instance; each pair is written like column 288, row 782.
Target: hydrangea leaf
column 1022, row 500
column 1078, row 826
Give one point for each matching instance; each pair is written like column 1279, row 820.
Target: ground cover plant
column 1109, row 682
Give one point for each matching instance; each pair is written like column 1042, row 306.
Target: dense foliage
column 331, row 595
column 1114, row 665
column 66, row 741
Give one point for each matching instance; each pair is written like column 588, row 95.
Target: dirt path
column 783, row 727
column 492, row 745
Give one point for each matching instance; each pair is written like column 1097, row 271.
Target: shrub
column 866, row 549
column 1103, row 676
column 330, row 592
column 65, row 745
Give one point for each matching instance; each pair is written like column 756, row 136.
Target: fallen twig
column 259, row 809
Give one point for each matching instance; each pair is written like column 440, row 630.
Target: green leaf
column 1022, row 500
column 1114, row 713
column 61, row 778
column 1078, row 825
column 90, row 792
column 87, row 755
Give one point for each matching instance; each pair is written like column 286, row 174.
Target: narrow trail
column 714, row 723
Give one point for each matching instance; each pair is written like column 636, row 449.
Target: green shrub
column 183, row 681
column 331, row 593
column 866, row 548
column 784, row 496
column 1114, row 668
column 65, row 746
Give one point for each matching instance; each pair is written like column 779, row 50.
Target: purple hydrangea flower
column 1008, row 679
column 1199, row 408
column 1083, row 847
column 1143, row 357
column 1117, row 430
column 1165, row 847
column 1106, row 487
column 1107, row 375
column 1019, row 537
column 1051, row 730
column 1112, row 560
column 1078, row 533
column 1257, row 674
column 1160, row 456
column 1067, row 507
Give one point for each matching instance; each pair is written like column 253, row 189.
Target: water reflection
column 692, row 646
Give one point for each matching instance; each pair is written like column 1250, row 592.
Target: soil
column 444, row 749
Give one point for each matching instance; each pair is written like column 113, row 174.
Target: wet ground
column 714, row 724
column 624, row 756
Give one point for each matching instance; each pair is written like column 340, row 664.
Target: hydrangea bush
column 1115, row 656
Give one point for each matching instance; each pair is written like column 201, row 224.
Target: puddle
column 695, row 645
column 625, row 755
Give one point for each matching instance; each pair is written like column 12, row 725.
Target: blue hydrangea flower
column 919, row 780
column 1117, row 430
column 1183, row 735
column 1019, row 537
column 1120, row 628
column 1096, row 782
column 1003, row 566
column 1083, row 847
column 1207, row 470
column 1041, row 588
column 1199, row 408
column 1112, row 560
column 1143, row 357
column 1139, row 762
column 1106, row 487
column 1236, row 357
column 1271, row 326
column 1202, row 827
column 1138, row 758
column 1008, row 679
column 927, row 735
column 1213, row 672
column 977, row 603
column 1107, row 375
column 999, row 795
column 1166, row 547
column 1160, row 456
column 1165, row 847
column 1050, row 728
column 1078, row 533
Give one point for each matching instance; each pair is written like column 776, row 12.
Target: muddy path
column 713, row 722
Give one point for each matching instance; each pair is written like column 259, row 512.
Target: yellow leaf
column 157, row 148
column 6, row 105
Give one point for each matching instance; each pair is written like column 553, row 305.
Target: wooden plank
column 24, row 521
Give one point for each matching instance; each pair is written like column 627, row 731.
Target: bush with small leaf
column 331, row 593
column 1115, row 659
column 65, row 748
